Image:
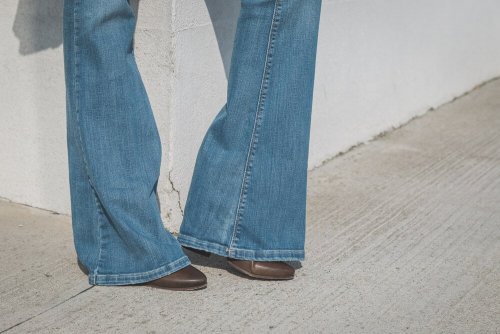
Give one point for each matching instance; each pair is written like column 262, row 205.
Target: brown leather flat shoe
column 185, row 279
column 268, row 270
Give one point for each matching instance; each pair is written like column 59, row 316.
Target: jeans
column 248, row 192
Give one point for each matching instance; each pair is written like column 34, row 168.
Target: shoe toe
column 191, row 275
column 277, row 270
column 188, row 278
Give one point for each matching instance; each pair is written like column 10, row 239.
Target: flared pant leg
column 114, row 150
column 247, row 198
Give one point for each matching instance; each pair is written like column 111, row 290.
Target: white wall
column 380, row 63
column 33, row 157
column 33, row 168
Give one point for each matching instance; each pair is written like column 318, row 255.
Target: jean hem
column 142, row 277
column 242, row 254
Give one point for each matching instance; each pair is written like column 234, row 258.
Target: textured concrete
column 403, row 236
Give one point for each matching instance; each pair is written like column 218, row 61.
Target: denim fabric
column 248, row 193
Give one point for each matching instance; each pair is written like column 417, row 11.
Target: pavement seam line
column 45, row 311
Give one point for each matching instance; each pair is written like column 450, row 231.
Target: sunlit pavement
column 403, row 236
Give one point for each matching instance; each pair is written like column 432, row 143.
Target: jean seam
column 242, row 253
column 196, row 240
column 76, row 88
column 257, row 122
column 134, row 278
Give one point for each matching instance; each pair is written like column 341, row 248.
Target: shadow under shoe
column 82, row 267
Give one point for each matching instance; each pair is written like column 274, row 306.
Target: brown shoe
column 269, row 270
column 186, row 279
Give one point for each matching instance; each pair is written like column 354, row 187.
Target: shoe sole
column 269, row 278
column 200, row 287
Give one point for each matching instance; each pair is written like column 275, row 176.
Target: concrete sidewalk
column 403, row 236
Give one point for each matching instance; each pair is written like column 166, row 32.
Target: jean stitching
column 257, row 122
column 261, row 255
column 202, row 242
column 143, row 274
column 76, row 87
column 195, row 240
column 146, row 276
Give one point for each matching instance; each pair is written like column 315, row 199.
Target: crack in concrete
column 174, row 189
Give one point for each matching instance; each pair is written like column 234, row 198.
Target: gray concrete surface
column 403, row 236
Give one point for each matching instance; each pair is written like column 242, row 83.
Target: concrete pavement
column 403, row 236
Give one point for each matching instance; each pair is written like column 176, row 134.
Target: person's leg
column 114, row 150
column 247, row 197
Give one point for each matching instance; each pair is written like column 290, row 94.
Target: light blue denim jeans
column 247, row 198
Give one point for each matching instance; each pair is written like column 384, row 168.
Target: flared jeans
column 247, row 198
